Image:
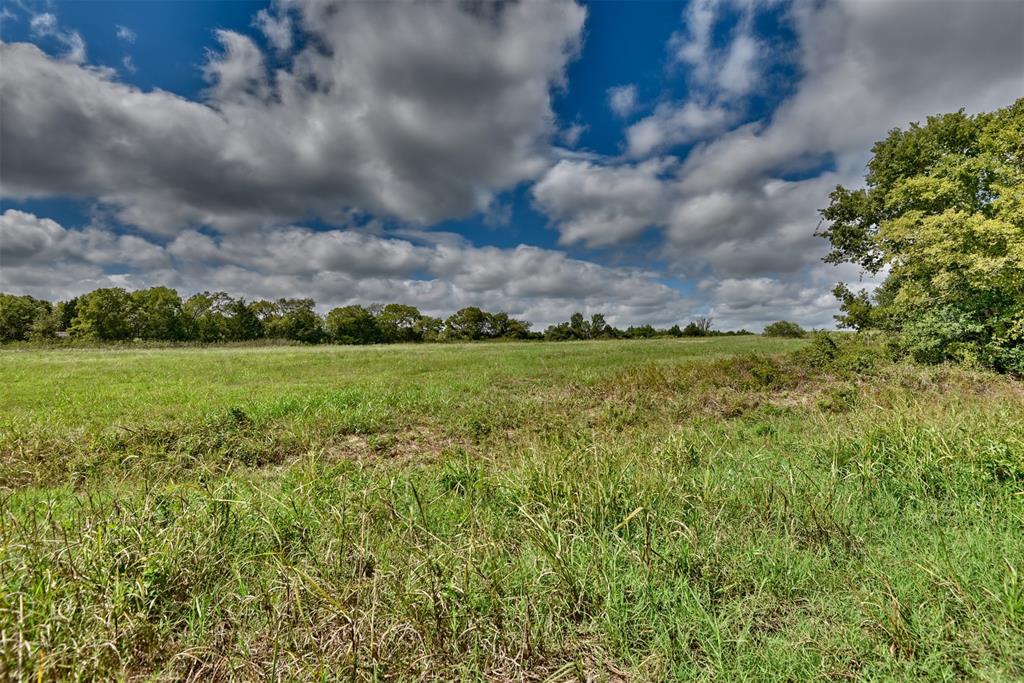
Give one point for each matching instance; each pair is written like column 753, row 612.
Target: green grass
column 696, row 509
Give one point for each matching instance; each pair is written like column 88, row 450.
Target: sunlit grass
column 643, row 510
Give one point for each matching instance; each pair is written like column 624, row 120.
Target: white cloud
column 126, row 34
column 420, row 111
column 277, row 29
column 238, row 73
column 600, row 205
column 673, row 124
column 622, row 100
column 571, row 135
column 727, row 212
column 45, row 25
column 754, row 302
column 868, row 67
column 739, row 71
column 335, row 267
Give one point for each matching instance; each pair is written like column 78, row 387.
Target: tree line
column 114, row 314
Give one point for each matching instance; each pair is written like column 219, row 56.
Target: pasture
column 709, row 509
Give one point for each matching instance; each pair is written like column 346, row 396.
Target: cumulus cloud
column 729, row 211
column 674, row 124
column 755, row 302
column 419, row 111
column 336, row 267
column 599, row 204
column 428, row 111
column 276, row 28
column 868, row 67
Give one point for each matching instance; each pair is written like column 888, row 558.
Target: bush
column 783, row 328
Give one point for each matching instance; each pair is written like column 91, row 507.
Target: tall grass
column 551, row 512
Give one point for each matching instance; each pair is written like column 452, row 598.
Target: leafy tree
column 156, row 313
column 296, row 320
column 241, row 322
column 559, row 332
column 942, row 215
column 429, row 329
column 66, row 311
column 398, row 323
column 783, row 328
column 469, row 323
column 641, row 332
column 598, row 326
column 103, row 314
column 204, row 317
column 46, row 326
column 18, row 314
column 503, row 326
column 352, row 325
column 579, row 326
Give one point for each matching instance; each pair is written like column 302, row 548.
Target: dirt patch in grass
column 414, row 443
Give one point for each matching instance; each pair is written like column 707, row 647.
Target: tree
column 241, row 322
column 783, row 328
column 66, row 312
column 467, row 323
column 156, row 313
column 579, row 326
column 503, row 326
column 352, row 325
column 429, row 329
column 398, row 323
column 296, row 320
column 103, row 314
column 46, row 326
column 559, row 332
column 18, row 314
column 641, row 332
column 204, row 317
column 942, row 216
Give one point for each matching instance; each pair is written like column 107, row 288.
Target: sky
column 653, row 161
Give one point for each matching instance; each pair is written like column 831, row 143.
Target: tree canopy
column 942, row 219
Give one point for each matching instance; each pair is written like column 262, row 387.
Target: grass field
column 719, row 509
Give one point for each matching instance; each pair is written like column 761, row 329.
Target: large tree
column 942, row 218
column 156, row 313
column 104, row 314
column 18, row 315
column 352, row 325
column 399, row 323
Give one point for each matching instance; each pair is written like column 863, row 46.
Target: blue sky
column 652, row 160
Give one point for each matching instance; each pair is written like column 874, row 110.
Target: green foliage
column 104, row 315
column 352, row 325
column 156, row 313
column 18, row 314
column 783, row 328
column 617, row 511
column 943, row 213
column 400, row 323
column 294, row 319
column 469, row 323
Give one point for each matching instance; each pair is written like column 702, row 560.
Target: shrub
column 783, row 328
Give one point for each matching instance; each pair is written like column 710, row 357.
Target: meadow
column 737, row 508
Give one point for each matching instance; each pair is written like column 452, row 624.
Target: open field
column 642, row 510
